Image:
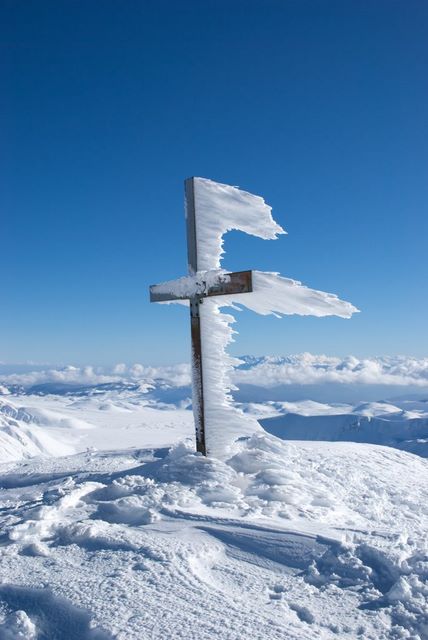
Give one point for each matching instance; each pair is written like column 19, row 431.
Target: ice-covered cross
column 212, row 209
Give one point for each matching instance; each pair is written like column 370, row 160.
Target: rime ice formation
column 220, row 208
column 272, row 294
column 223, row 421
column 193, row 284
column 276, row 295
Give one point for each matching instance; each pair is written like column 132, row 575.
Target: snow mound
column 282, row 540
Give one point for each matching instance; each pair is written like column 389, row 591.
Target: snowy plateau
column 313, row 526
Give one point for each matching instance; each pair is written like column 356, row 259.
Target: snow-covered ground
column 111, row 527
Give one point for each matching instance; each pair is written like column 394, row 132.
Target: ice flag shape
column 217, row 208
column 221, row 208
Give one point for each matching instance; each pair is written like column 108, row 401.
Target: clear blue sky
column 105, row 107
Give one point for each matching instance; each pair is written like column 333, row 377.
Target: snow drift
column 282, row 540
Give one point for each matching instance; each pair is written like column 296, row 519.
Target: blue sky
column 106, row 107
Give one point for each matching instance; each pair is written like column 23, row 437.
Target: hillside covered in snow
column 112, row 527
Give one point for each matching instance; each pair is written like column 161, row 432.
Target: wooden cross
column 237, row 282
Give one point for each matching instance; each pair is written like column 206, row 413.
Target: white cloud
column 175, row 375
column 306, row 368
column 268, row 371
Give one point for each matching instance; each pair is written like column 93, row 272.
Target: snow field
column 61, row 425
column 301, row 540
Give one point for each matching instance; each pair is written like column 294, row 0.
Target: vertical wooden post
column 195, row 321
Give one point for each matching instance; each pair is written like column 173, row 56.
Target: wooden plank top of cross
column 230, row 283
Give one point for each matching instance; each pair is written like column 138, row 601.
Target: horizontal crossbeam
column 237, row 282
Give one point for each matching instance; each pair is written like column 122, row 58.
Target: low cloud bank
column 267, row 371
column 309, row 369
column 175, row 375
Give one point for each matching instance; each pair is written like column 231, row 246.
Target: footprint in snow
column 303, row 613
column 276, row 592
